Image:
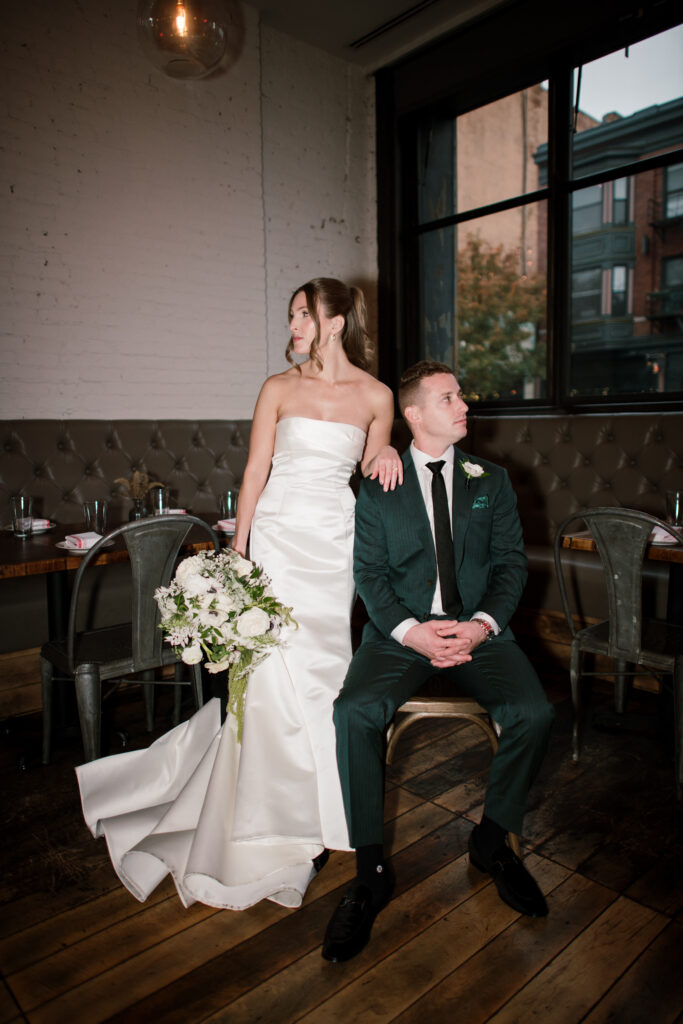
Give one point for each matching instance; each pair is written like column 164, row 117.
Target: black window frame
column 519, row 45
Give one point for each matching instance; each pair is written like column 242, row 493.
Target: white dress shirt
column 425, row 477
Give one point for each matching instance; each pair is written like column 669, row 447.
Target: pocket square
column 481, row 502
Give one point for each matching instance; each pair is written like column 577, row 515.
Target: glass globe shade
column 184, row 38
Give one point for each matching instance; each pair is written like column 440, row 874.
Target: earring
column 333, row 337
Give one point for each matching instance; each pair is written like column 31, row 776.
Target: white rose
column 253, row 622
column 195, row 585
column 225, row 602
column 192, row 655
column 189, row 567
column 472, row 469
column 242, row 566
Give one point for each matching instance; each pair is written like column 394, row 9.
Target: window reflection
column 483, row 307
column 673, row 204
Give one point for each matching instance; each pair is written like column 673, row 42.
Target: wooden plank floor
column 604, row 838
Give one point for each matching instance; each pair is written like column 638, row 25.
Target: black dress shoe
column 515, row 885
column 350, row 925
column 321, row 860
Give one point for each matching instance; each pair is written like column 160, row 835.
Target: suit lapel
column 462, row 508
column 411, row 496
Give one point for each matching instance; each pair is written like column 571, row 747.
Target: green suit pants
column 383, row 674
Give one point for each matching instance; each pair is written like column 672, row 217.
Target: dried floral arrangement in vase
column 137, row 488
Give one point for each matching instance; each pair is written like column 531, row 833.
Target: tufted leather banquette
column 557, row 464
column 63, row 463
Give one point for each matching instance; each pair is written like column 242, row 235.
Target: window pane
column 587, row 209
column 483, row 303
column 587, row 294
column 483, row 156
column 674, row 192
column 629, row 103
column 672, row 272
column 627, row 295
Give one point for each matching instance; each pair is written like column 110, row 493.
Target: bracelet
column 487, row 627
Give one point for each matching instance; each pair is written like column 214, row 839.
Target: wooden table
column 38, row 555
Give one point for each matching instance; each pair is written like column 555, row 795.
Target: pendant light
column 185, row 38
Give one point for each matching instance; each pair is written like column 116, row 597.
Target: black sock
column 370, row 866
column 490, row 836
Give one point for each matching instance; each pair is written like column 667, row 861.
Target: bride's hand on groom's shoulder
column 387, row 468
column 437, row 641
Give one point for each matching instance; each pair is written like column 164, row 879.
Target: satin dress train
column 237, row 824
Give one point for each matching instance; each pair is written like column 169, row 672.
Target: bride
column 234, row 824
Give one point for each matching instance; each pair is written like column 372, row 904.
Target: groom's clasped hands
column 445, row 642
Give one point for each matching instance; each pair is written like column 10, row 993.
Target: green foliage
column 498, row 311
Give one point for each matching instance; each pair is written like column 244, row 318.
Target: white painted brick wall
column 319, row 176
column 151, row 229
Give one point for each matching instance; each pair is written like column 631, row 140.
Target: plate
column 229, row 530
column 78, row 551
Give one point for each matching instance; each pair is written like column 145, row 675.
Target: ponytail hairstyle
column 335, row 298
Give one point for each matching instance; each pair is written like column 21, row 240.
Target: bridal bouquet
column 221, row 606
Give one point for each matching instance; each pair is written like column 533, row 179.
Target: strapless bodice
column 320, row 453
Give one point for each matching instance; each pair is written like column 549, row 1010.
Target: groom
column 440, row 565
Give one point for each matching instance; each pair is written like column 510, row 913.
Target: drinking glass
column 674, row 507
column 22, row 516
column 160, row 500
column 95, row 516
column 227, row 504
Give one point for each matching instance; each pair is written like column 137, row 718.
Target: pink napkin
column 81, row 540
column 41, row 524
column 660, row 536
column 226, row 524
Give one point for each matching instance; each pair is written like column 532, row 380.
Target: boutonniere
column 472, row 471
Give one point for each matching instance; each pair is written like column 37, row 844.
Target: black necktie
column 445, row 557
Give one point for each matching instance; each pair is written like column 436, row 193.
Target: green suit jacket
column 395, row 560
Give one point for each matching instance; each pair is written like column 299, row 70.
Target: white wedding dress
column 237, row 824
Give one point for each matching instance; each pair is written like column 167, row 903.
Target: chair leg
column 46, row 674
column 178, row 672
column 622, row 685
column 197, row 688
column 88, row 697
column 574, row 677
column 678, row 726
column 148, row 697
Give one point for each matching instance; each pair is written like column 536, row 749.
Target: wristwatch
column 486, row 626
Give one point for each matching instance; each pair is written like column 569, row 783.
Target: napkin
column 660, row 536
column 226, row 524
column 41, row 524
column 81, row 540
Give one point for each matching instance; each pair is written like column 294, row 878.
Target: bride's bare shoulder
column 279, row 383
column 377, row 392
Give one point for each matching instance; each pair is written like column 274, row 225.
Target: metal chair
column 91, row 657
column 430, row 703
column 621, row 536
